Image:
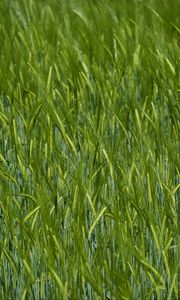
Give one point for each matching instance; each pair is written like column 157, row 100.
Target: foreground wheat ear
column 89, row 150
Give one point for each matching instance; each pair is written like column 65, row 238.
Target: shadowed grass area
column 89, row 149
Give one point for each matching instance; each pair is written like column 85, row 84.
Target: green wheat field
column 89, row 149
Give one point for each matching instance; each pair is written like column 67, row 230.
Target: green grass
column 89, row 149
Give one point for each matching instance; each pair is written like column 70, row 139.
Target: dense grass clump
column 89, row 149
